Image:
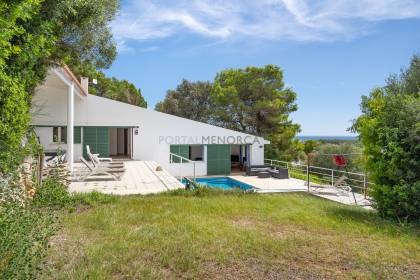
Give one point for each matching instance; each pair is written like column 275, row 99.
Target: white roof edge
column 262, row 140
column 68, row 79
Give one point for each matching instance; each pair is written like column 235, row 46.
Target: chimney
column 84, row 81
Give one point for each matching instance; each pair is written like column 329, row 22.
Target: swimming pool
column 225, row 183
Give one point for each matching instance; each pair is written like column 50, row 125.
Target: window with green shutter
column 77, row 135
column 60, row 134
column 180, row 150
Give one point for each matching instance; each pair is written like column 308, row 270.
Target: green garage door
column 98, row 140
column 218, row 160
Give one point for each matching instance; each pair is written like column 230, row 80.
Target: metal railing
column 324, row 176
column 181, row 160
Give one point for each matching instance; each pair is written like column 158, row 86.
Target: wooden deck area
column 140, row 177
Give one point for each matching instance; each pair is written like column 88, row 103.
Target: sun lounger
column 113, row 173
column 96, row 160
column 54, row 160
column 97, row 155
column 109, row 164
column 344, row 188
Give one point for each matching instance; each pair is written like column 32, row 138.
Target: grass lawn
column 219, row 236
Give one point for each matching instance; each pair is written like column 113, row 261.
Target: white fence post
column 364, row 185
column 180, row 169
column 194, row 170
column 307, row 174
column 332, row 177
column 181, row 161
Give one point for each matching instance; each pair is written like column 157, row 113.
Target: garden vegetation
column 389, row 129
column 34, row 36
column 38, row 34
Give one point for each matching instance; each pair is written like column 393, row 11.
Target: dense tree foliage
column 389, row 129
column 189, row 100
column 251, row 100
column 16, row 48
column 82, row 30
column 35, row 34
column 254, row 100
column 120, row 90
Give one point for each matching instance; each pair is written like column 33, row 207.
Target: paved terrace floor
column 140, row 177
column 273, row 185
column 266, row 185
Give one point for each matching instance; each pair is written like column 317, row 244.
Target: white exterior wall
column 45, row 136
column 97, row 111
column 257, row 154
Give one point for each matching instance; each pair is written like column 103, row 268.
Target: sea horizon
column 325, row 137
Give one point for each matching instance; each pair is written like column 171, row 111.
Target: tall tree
column 191, row 100
column 120, row 90
column 389, row 129
column 36, row 34
column 254, row 100
column 82, row 30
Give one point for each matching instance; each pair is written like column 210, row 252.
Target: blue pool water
column 223, row 183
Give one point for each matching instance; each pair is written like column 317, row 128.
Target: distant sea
column 303, row 138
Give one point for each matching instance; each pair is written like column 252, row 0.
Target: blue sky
column 331, row 52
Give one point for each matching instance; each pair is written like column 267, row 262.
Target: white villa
column 65, row 114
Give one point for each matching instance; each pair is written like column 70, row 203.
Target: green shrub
column 52, row 194
column 24, row 234
column 26, row 226
column 397, row 201
column 389, row 129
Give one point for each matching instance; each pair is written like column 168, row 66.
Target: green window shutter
column 218, row 160
column 98, row 140
column 102, row 134
column 174, row 149
column 89, row 138
column 184, row 151
column 77, row 135
column 55, row 135
column 180, row 150
column 63, row 134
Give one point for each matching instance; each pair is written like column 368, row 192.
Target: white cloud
column 296, row 20
column 123, row 47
